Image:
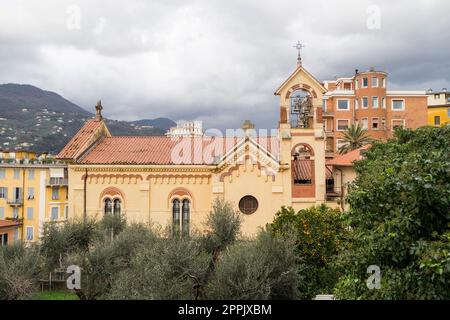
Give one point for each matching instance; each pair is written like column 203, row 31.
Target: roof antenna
column 299, row 46
column 98, row 109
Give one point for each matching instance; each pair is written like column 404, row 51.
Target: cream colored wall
column 248, row 179
column 145, row 201
column 149, row 201
column 442, row 100
column 348, row 175
column 160, row 201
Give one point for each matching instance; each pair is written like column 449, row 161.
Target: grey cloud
column 216, row 61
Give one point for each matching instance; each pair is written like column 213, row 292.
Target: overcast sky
column 216, row 61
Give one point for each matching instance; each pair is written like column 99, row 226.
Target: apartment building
column 365, row 99
column 33, row 190
column 438, row 107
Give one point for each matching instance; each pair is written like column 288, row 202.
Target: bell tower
column 301, row 134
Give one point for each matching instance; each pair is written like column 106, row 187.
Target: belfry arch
column 303, row 171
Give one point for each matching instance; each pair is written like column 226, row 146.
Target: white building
column 186, row 129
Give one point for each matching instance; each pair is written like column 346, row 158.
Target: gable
column 256, row 152
column 301, row 78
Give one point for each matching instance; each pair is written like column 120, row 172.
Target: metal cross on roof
column 299, row 46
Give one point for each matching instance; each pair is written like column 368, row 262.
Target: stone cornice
column 139, row 168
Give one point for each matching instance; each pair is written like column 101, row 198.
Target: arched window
column 117, row 207
column 186, row 211
column 181, row 214
column 176, row 216
column 301, row 109
column 108, row 206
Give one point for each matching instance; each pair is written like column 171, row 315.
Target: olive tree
column 19, row 271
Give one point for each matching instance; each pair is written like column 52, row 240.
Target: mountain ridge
column 44, row 121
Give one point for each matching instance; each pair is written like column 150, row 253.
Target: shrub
column 263, row 269
column 18, row 272
column 101, row 265
column 164, row 270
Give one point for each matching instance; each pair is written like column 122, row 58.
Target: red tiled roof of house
column 346, row 160
column 78, row 143
column 162, row 150
column 9, row 223
column 302, row 170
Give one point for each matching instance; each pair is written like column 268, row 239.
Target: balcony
column 57, row 182
column 15, row 202
column 327, row 114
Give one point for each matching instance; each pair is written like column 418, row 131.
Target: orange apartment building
column 365, row 99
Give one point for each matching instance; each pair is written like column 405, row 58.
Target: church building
column 174, row 180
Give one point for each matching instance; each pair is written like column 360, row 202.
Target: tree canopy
column 400, row 214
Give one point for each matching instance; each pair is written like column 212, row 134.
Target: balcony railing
column 57, row 182
column 30, row 162
column 15, row 202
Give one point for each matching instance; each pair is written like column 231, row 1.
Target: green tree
column 162, row 270
column 319, row 233
column 354, row 137
column 400, row 214
column 60, row 240
column 265, row 268
column 108, row 257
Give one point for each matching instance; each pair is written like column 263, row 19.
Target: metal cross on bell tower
column 299, row 46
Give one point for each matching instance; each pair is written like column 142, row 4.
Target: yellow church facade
column 175, row 180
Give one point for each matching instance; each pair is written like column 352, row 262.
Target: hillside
column 43, row 121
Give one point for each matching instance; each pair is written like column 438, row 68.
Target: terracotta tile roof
column 79, row 142
column 9, row 223
column 346, row 160
column 302, row 170
column 162, row 150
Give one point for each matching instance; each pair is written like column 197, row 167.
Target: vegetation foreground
column 399, row 220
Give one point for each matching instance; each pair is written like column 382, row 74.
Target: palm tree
column 354, row 137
